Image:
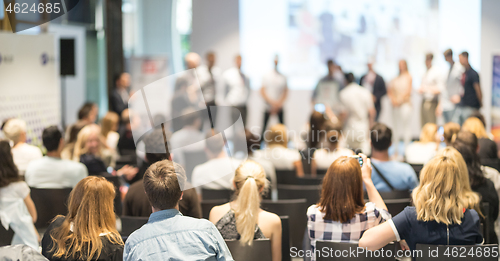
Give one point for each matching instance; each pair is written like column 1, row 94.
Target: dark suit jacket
column 379, row 88
column 116, row 103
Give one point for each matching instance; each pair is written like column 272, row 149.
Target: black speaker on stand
column 67, row 68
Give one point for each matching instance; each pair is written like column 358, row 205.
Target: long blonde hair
column 250, row 181
column 277, row 135
column 428, row 133
column 109, row 123
column 475, row 126
column 82, row 138
column 90, row 214
column 444, row 191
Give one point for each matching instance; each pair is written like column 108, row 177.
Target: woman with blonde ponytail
column 243, row 219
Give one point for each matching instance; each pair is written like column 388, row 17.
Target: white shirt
column 23, row 154
column 433, row 78
column 216, row 173
column 186, row 139
column 112, row 139
column 419, row 152
column 453, row 86
column 357, row 102
column 274, row 84
column 281, row 157
column 54, row 173
column 237, row 86
column 211, row 84
column 324, row 158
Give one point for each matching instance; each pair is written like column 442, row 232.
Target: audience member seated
column 126, row 142
column 420, row 152
column 109, row 128
column 90, row 152
column 401, row 176
column 218, row 171
column 23, row 153
column 243, row 219
column 316, row 126
column 487, row 147
column 17, row 209
column 86, row 115
column 169, row 235
column 324, row 157
column 69, row 148
column 481, row 185
column 88, row 231
column 443, row 202
column 189, row 137
column 450, row 131
column 341, row 214
column 253, row 144
column 277, row 151
column 136, row 202
column 51, row 171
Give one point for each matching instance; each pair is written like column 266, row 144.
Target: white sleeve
column 394, row 229
column 21, row 189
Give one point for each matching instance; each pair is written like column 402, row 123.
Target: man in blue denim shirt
column 169, row 235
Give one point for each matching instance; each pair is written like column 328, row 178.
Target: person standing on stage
column 430, row 89
column 274, row 90
column 376, row 85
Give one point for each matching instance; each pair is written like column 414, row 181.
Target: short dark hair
column 468, row 138
column 156, row 148
column 381, row 136
column 429, row 56
column 163, row 183
column 214, row 143
column 51, row 138
column 448, row 53
column 117, row 76
column 253, row 141
column 349, row 77
column 85, row 110
column 465, row 54
column 330, row 62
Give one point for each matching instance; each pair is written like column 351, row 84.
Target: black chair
column 285, row 239
column 455, row 252
column 131, row 224
column 193, row 159
column 395, row 206
column 5, row 236
column 310, row 192
column 492, row 163
column 126, row 159
column 209, row 194
column 116, row 181
column 396, row 194
column 485, row 208
column 342, row 251
column 286, row 177
column 321, row 171
column 309, row 180
column 259, row 250
column 207, row 205
column 49, row 203
column 296, row 210
column 417, row 168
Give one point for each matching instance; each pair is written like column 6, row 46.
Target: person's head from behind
column 450, row 131
column 214, row 145
column 250, row 184
column 237, row 61
column 253, row 142
column 448, row 55
column 122, row 80
column 163, row 183
column 342, row 190
column 15, row 130
column 333, row 138
column 428, row 60
column 474, row 125
column 381, row 137
column 88, row 112
column 429, row 133
column 370, row 66
column 210, row 56
column 444, row 190
column 471, row 158
column 349, row 78
column 8, row 170
column 403, row 66
column 52, row 139
column 317, row 123
column 88, row 141
column 464, row 59
column 156, row 149
column 90, row 214
column 276, row 61
column 74, row 130
column 330, row 64
column 109, row 123
column 192, row 60
column 468, row 138
column 277, row 135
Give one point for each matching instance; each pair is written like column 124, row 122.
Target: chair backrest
column 285, row 239
column 309, row 192
column 296, row 210
column 131, row 224
column 396, row 194
column 193, row 159
column 395, row 206
column 259, row 250
column 286, row 176
column 49, row 203
column 126, row 159
column 485, row 208
column 5, row 236
column 342, row 251
column 209, row 194
column 117, row 202
column 456, row 252
column 308, row 180
column 417, row 168
column 207, row 205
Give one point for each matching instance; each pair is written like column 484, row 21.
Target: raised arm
column 372, row 192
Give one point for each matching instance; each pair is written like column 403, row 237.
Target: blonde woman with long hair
column 243, row 219
column 487, row 148
column 446, row 210
column 421, row 151
column 88, row 232
column 109, row 128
